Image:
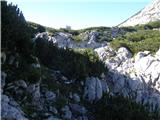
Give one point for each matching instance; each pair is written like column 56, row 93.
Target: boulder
column 141, row 55
column 36, row 65
column 31, row 88
column 76, row 97
column 119, row 81
column 50, row 96
column 149, row 69
column 93, row 89
column 3, row 57
column 123, row 54
column 9, row 112
column 105, row 87
column 3, row 78
column 21, row 83
column 5, row 98
column 104, row 52
column 34, row 90
column 92, row 37
column 135, row 83
column 157, row 55
column 43, row 35
column 53, row 110
column 75, row 108
column 153, row 71
column 111, row 58
column 67, row 114
column 144, row 63
column 52, row 118
column 11, row 59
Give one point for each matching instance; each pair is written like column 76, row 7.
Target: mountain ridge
column 149, row 13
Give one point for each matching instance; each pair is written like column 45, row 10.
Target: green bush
column 139, row 41
column 16, row 39
column 73, row 64
column 61, row 102
column 35, row 28
column 34, row 75
column 129, row 29
column 155, row 24
column 135, row 37
column 150, row 25
column 16, row 34
column 120, row 108
column 77, row 38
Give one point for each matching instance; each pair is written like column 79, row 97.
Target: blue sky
column 79, row 13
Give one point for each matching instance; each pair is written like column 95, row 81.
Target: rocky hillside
column 148, row 14
column 50, row 74
column 137, row 77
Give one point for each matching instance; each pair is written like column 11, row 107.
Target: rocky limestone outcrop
column 138, row 77
column 10, row 110
column 150, row 13
column 20, row 97
column 94, row 89
column 15, row 90
column 89, row 36
column 64, row 40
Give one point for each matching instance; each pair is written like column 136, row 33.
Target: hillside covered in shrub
column 139, row 41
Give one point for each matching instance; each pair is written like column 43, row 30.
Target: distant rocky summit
column 148, row 14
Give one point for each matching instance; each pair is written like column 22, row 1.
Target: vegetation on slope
column 15, row 32
column 120, row 108
column 104, row 33
column 17, row 45
column 36, row 28
column 150, row 25
column 139, row 41
column 73, row 64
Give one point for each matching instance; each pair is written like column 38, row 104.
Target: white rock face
column 76, row 97
column 94, row 89
column 10, row 112
column 141, row 54
column 21, row 83
column 50, row 96
column 140, row 75
column 158, row 54
column 3, row 79
column 92, row 37
column 34, row 90
column 111, row 58
column 150, row 13
column 64, row 40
